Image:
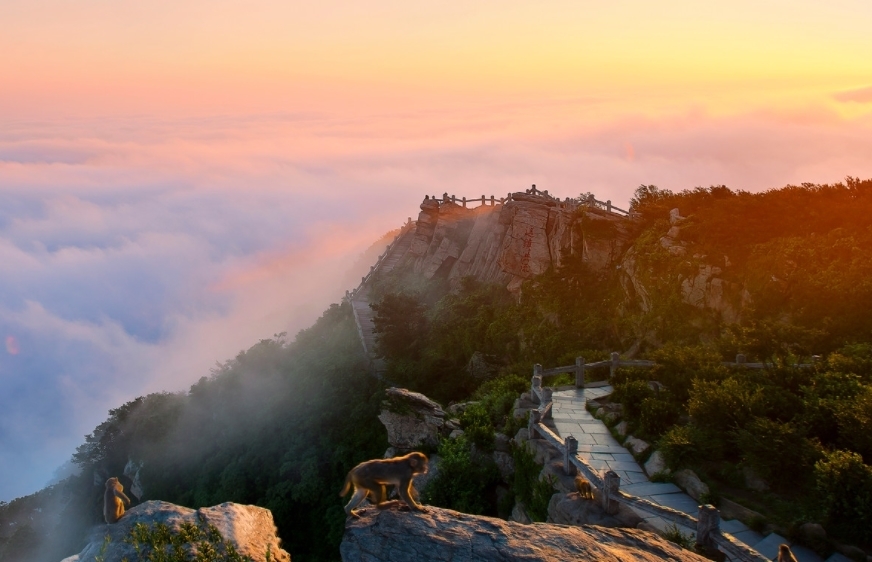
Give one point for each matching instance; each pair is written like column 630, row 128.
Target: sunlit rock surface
column 392, row 535
column 250, row 528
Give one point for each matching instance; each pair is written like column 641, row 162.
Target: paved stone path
column 602, row 452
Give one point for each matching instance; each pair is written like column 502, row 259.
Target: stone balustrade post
column 464, row 201
column 740, row 359
column 708, row 526
column 579, row 372
column 535, row 417
column 611, row 485
column 609, row 205
column 570, row 449
column 536, row 382
column 493, row 202
column 613, row 368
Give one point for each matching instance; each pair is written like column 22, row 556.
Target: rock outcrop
column 392, row 535
column 249, row 528
column 412, row 420
column 509, row 243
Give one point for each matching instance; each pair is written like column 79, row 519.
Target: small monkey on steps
column 371, row 477
column 114, row 501
column 583, row 487
column 785, row 554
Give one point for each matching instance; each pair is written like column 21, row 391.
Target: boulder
column 133, row 471
column 753, row 480
column 411, row 419
column 505, row 464
column 690, row 483
column 519, row 514
column 572, row 509
column 502, row 443
column 482, row 367
column 522, row 436
column 460, row 407
column 391, row 535
column 656, row 464
column 621, row 428
column 249, row 528
column 635, row 445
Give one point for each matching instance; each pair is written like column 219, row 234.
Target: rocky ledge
column 392, row 535
column 250, row 529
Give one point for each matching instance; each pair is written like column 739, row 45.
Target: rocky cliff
column 247, row 528
column 511, row 242
column 441, row 534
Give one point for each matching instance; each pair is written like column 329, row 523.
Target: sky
column 180, row 179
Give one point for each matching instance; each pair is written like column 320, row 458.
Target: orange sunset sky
column 179, row 179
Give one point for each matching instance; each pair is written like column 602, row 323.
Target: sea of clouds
column 138, row 252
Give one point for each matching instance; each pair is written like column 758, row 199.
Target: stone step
column 768, row 547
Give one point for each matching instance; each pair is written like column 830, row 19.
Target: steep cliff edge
column 511, row 242
column 392, row 535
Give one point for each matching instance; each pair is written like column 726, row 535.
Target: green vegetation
column 280, row 425
column 158, row 543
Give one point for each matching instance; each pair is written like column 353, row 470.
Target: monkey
column 583, row 487
column 785, row 555
column 370, row 478
column 113, row 507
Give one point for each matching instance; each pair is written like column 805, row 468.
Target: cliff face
column 509, row 243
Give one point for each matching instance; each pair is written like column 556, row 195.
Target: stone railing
column 707, row 522
column 568, row 203
column 615, row 361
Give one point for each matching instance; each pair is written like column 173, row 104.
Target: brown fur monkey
column 371, row 477
column 785, row 555
column 113, row 506
column 583, row 487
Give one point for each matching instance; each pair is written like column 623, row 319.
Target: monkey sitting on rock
column 113, row 506
column 583, row 487
column 370, row 478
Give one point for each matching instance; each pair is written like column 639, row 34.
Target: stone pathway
column 602, row 452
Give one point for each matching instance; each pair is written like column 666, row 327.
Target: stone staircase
column 602, row 452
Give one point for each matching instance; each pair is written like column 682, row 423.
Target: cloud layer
column 137, row 252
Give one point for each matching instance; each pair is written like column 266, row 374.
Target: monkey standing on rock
column 371, row 477
column 113, row 507
column 583, row 487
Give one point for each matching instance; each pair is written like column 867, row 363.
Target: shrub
column 678, row 366
column 463, row 482
column 777, row 451
column 685, row 445
column 534, row 493
column 674, row 535
column 477, row 426
column 658, row 415
column 723, row 405
column 844, row 485
column 631, row 394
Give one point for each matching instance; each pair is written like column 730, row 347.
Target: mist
column 139, row 252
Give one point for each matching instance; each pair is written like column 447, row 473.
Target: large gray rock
column 133, row 470
column 656, row 464
column 636, row 445
column 411, row 419
column 572, row 509
column 250, row 528
column 690, row 483
column 392, row 535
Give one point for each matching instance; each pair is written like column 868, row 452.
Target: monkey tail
column 346, row 488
